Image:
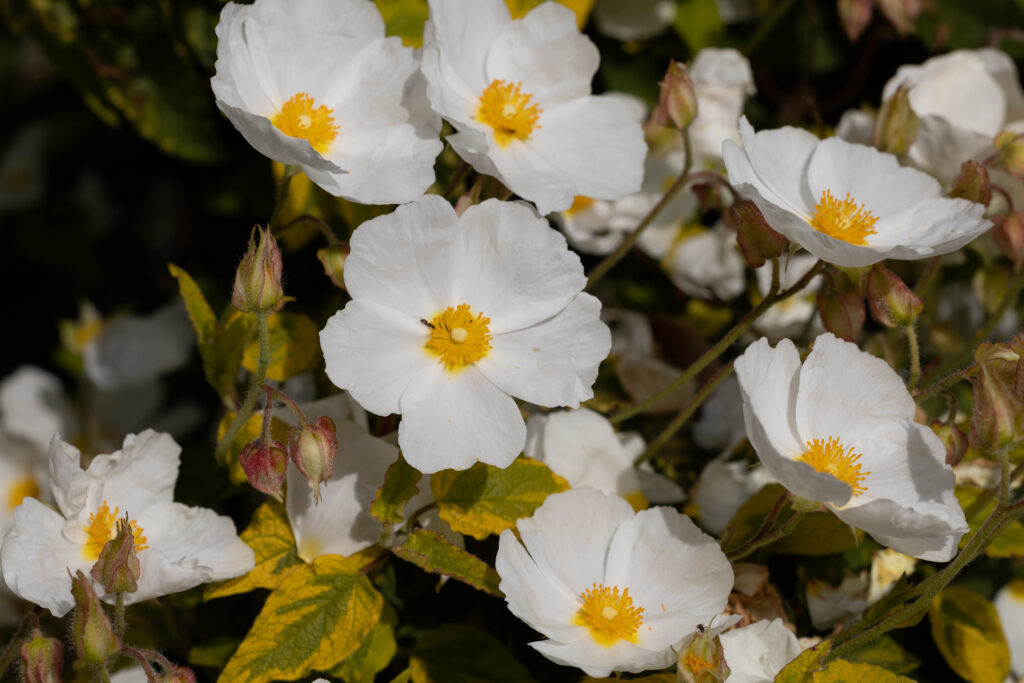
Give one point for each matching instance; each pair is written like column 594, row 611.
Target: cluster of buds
column 998, row 418
column 677, row 103
column 258, row 279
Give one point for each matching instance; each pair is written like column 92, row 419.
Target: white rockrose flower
column 756, row 653
column 829, row 605
column 1009, row 604
column 34, row 407
column 584, row 448
column 848, row 204
column 453, row 316
column 316, row 84
column 839, row 429
column 178, row 546
column 518, row 93
column 723, row 487
column 612, row 590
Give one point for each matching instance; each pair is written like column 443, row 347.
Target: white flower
column 848, row 204
column 723, row 488
column 1009, row 603
column 611, row 589
column 583, row 447
column 633, row 19
column 720, row 426
column 640, row 372
column 828, row 605
column 840, row 430
column 518, row 93
column 33, row 407
column 315, row 83
column 178, row 546
column 452, row 316
column 722, row 82
column 756, row 653
column 789, row 317
column 887, row 567
column 706, row 263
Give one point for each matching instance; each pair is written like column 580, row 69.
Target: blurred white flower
column 723, row 487
column 829, row 605
column 612, row 590
column 722, row 81
column 756, row 653
column 633, row 19
column 315, row 83
column 840, row 429
column 518, row 93
column 720, row 425
column 1009, row 603
column 706, row 263
column 887, row 567
column 452, row 316
column 788, row 318
column 638, row 368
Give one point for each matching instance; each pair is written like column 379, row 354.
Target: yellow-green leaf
column 1009, row 544
column 214, row 653
column 374, row 654
column 460, row 654
column 270, row 536
column 400, row 484
column 307, row 624
column 204, row 322
column 434, row 554
column 405, row 19
column 808, row 661
column 966, row 629
column 581, row 8
column 486, row 500
column 885, row 652
column 840, row 671
column 294, row 347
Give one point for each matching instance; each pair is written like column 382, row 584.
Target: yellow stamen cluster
column 845, row 220
column 103, row 527
column 25, row 487
column 830, row 457
column 609, row 615
column 508, row 111
column 458, row 338
column 695, row 664
column 301, row 118
column 579, row 203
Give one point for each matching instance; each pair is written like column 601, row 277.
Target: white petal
column 141, row 474
column 1009, row 603
column 259, row 132
column 465, row 32
column 599, row 661
column 936, row 226
column 756, row 653
column 633, row 19
column 68, row 482
column 135, row 350
column 33, row 406
column 778, row 158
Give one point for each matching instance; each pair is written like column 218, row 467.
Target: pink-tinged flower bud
column 677, row 104
column 842, row 314
column 901, row 13
column 892, row 303
column 757, row 241
column 897, row 124
column 855, row 15
column 313, row 447
column 954, row 439
column 1008, row 233
column 91, row 632
column 333, row 260
column 972, row 184
column 258, row 279
column 177, row 674
column 117, row 569
column 701, row 660
column 1011, row 151
column 264, row 464
column 998, row 417
column 42, row 659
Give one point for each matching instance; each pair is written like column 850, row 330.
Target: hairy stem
column 249, row 404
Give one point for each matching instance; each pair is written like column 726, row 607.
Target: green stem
column 119, row 622
column 945, row 383
column 769, row 531
column 915, row 357
column 249, row 404
column 1005, row 476
column 104, row 675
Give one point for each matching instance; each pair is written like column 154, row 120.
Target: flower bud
column 264, row 464
column 1008, row 233
column 757, row 241
column 258, row 280
column 901, row 13
column 897, row 124
column 954, row 439
column 42, row 659
column 701, row 660
column 842, row 314
column 117, row 568
column 1011, row 151
column 333, row 260
column 177, row 674
column 313, row 447
column 91, row 632
column 677, row 104
column 972, row 184
column 855, row 15
column 892, row 303
column 998, row 417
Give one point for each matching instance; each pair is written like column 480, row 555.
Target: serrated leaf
column 967, row 631
column 432, row 553
column 250, row 431
column 400, row 484
column 460, row 654
column 307, row 624
column 270, row 536
column 840, row 671
column 886, row 653
column 374, row 653
column 486, row 500
column 1009, row 543
column 294, row 347
column 801, row 668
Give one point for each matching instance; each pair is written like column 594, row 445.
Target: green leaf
column 215, row 653
column 400, row 484
column 432, row 553
column 270, row 536
column 1009, row 543
column 204, row 322
column 698, row 24
column 307, row 624
column 461, row 654
column 374, row 653
column 840, row 671
column 294, row 347
column 486, row 500
column 884, row 652
column 966, row 629
column 801, row 668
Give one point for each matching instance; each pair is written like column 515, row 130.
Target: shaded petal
column 141, row 474
column 779, row 158
column 259, row 132
column 599, row 661
column 936, row 226
column 464, row 32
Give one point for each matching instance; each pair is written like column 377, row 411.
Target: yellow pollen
column 609, row 616
column 300, row 118
column 845, row 220
column 508, row 111
column 459, row 338
column 103, row 527
column 830, row 457
column 695, row 664
column 23, row 488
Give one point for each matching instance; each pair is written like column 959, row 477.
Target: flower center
column 695, row 664
column 845, row 220
column 300, row 118
column 103, row 527
column 508, row 111
column 579, row 204
column 458, row 337
column 609, row 616
column 23, row 488
column 830, row 457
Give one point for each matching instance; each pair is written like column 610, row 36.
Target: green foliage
column 698, row 24
column 967, row 631
column 459, row 654
column 270, row 536
column 840, row 671
column 374, row 653
column 801, row 669
column 1009, row 543
column 400, row 484
column 886, row 653
column 433, row 553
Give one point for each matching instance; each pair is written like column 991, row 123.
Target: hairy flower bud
column 972, row 184
column 701, row 660
column 117, row 568
column 42, row 659
column 892, row 303
column 1008, row 233
column 954, row 439
column 998, row 417
column 757, row 241
column 91, row 632
column 258, row 279
column 265, row 463
column 177, row 674
column 855, row 15
column 842, row 314
column 1011, row 151
column 677, row 104
column 333, row 260
column 313, row 447
column 897, row 124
